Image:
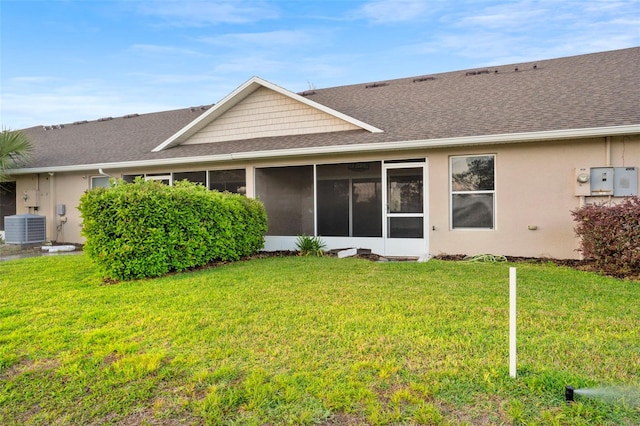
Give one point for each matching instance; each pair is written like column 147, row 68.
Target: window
column 131, row 178
column 7, row 201
column 99, row 182
column 228, row 180
column 472, row 191
column 194, row 177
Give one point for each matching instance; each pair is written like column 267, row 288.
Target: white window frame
column 485, row 191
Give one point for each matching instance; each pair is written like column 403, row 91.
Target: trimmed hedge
column 147, row 229
column 610, row 236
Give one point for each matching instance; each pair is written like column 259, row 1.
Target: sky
column 70, row 60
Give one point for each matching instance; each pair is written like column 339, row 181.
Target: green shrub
column 147, row 229
column 610, row 236
column 310, row 246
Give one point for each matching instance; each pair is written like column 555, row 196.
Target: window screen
column 287, row 194
column 349, row 199
column 195, row 177
column 228, row 180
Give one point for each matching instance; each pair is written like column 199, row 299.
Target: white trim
column 160, row 177
column 315, row 199
column 242, row 92
column 278, row 242
column 507, row 138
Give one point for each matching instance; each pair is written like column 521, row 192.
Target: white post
column 512, row 322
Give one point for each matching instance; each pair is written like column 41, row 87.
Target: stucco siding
column 534, row 193
column 266, row 113
column 44, row 192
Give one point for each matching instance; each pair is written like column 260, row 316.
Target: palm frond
column 15, row 151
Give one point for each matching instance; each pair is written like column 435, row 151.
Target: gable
column 262, row 109
column 267, row 113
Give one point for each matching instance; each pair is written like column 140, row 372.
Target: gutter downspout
column 607, row 157
column 52, row 207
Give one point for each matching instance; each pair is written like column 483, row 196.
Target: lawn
column 304, row 340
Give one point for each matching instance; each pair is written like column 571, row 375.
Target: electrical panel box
column 601, row 181
column 61, row 209
column 31, row 198
column 582, row 178
column 625, row 181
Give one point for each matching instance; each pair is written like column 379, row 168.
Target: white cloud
column 25, row 104
column 530, row 30
column 184, row 13
column 269, row 38
column 174, row 79
column 503, row 19
column 393, row 11
column 249, row 65
column 35, row 79
column 162, row 50
column 22, row 109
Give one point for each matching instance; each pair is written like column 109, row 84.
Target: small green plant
column 485, row 258
column 310, row 246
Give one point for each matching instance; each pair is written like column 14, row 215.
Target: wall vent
column 25, row 229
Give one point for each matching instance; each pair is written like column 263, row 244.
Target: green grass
column 306, row 340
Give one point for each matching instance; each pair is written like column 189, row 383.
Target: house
column 489, row 160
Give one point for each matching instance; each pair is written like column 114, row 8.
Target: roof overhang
column 241, row 93
column 508, row 138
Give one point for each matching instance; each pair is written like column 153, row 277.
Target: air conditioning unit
column 25, row 229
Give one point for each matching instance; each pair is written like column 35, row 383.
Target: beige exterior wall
column 266, row 113
column 535, row 187
column 50, row 190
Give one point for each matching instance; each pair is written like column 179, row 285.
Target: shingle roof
column 106, row 140
column 579, row 92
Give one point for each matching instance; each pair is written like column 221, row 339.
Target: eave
column 509, row 138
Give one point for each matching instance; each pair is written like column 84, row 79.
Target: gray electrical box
column 61, row 209
column 625, row 181
column 602, row 181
